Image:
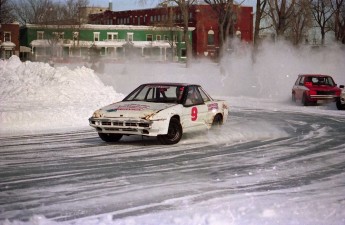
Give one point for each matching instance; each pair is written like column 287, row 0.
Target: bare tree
column 48, row 11
column 339, row 20
column 33, row 11
column 281, row 13
column 322, row 11
column 301, row 22
column 184, row 6
column 224, row 10
column 260, row 13
column 6, row 12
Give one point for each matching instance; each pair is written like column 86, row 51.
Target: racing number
column 194, row 113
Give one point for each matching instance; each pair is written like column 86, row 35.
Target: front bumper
column 126, row 126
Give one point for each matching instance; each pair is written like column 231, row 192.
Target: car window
column 193, row 97
column 301, row 82
column 298, row 81
column 157, row 93
column 321, row 81
column 204, row 96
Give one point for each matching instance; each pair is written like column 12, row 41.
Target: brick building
column 202, row 18
column 9, row 40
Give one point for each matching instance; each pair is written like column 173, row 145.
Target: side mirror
column 341, row 86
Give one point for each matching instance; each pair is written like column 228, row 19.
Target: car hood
column 131, row 109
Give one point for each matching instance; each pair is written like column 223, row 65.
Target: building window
column 158, row 37
column 149, row 37
column 7, row 36
column 210, row 37
column 129, row 37
column 112, row 36
column 58, row 35
column 40, row 35
column 175, row 39
column 166, row 37
column 8, row 54
column 75, row 36
column 95, row 36
column 183, row 53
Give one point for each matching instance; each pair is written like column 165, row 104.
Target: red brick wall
column 14, row 29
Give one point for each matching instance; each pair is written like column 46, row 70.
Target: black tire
column 339, row 105
column 110, row 137
column 217, row 121
column 293, row 98
column 305, row 101
column 174, row 134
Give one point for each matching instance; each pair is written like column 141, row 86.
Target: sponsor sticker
column 134, row 107
column 212, row 106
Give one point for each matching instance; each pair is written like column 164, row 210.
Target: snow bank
column 35, row 96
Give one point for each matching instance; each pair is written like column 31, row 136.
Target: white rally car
column 165, row 110
column 341, row 100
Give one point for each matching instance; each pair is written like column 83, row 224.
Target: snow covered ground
column 37, row 98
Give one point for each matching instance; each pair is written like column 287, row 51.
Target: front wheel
column 339, row 105
column 110, row 137
column 174, row 134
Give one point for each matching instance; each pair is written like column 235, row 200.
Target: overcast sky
column 119, row 5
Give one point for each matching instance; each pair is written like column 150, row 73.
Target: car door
column 300, row 88
column 194, row 110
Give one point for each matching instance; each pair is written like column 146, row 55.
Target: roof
column 108, row 27
column 314, row 75
column 170, row 84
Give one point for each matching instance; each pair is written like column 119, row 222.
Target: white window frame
column 75, row 35
column 59, row 35
column 158, row 37
column 147, row 37
column 112, row 35
column 130, row 37
column 96, row 36
column 9, row 35
column 40, row 35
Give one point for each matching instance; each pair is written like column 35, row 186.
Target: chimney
column 111, row 5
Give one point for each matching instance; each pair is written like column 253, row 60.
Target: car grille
column 125, row 123
column 325, row 93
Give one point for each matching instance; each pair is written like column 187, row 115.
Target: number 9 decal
column 194, row 113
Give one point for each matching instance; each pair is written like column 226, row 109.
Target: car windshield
column 157, row 93
column 321, row 81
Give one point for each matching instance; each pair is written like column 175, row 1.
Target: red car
column 315, row 88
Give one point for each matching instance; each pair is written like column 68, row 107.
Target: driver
column 179, row 93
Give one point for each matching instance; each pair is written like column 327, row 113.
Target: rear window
column 320, row 80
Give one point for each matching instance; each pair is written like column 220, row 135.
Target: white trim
column 110, row 27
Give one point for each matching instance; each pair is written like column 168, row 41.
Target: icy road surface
column 261, row 167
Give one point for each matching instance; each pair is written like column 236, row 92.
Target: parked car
column 341, row 100
column 315, row 88
column 165, row 110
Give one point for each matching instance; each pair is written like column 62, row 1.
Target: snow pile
column 35, row 96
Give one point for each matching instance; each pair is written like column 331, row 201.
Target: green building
column 111, row 42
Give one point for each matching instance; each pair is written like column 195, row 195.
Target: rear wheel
column 174, row 134
column 305, row 101
column 110, row 137
column 293, row 98
column 217, row 121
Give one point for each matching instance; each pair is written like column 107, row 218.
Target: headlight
column 97, row 114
